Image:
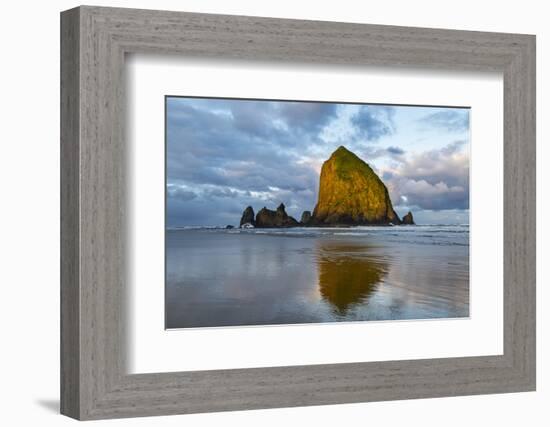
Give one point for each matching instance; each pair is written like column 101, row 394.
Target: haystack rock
column 266, row 218
column 350, row 193
column 247, row 217
column 306, row 217
column 408, row 219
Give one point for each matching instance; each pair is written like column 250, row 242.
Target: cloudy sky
column 223, row 155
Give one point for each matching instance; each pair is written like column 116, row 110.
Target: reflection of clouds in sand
column 253, row 279
column 222, row 279
column 438, row 286
column 348, row 273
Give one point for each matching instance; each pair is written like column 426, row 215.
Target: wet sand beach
column 218, row 277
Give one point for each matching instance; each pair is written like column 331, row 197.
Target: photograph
column 294, row 212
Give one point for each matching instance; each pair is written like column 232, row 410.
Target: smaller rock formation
column 408, row 219
column 247, row 217
column 229, row 227
column 267, row 218
column 306, row 217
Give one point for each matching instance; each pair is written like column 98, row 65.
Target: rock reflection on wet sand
column 348, row 273
column 233, row 278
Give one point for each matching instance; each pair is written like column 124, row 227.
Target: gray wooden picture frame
column 94, row 41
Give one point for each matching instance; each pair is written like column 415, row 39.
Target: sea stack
column 350, row 193
column 267, row 218
column 247, row 217
column 306, row 218
column 408, row 219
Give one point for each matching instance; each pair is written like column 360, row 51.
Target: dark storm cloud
column 215, row 148
column 246, row 151
column 433, row 180
column 371, row 153
column 223, row 155
column 453, row 120
column 221, row 193
column 251, row 118
column 179, row 193
column 308, row 117
column 395, row 150
column 201, row 211
column 373, row 122
column 225, row 206
column 433, row 196
column 450, row 164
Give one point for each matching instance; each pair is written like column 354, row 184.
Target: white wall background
column 29, row 224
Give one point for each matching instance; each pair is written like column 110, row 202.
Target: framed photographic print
column 262, row 213
column 349, row 256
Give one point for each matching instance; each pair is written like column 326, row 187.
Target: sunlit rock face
column 350, row 193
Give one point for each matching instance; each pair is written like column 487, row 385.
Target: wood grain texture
column 94, row 271
column 70, row 292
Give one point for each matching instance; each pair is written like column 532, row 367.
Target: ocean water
column 236, row 277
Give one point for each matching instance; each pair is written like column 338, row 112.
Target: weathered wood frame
column 94, row 41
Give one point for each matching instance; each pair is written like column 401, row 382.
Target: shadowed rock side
column 266, row 218
column 306, row 218
column 350, row 193
column 247, row 217
column 408, row 219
